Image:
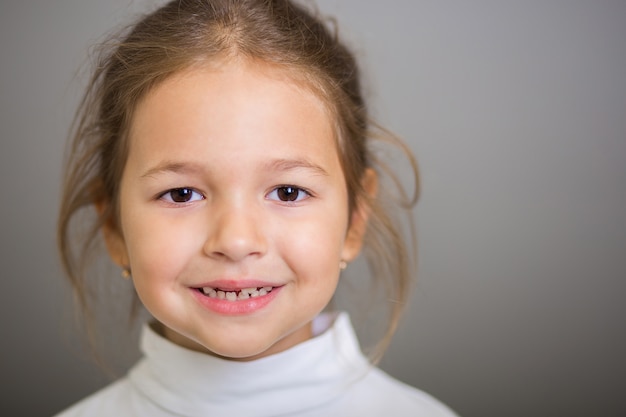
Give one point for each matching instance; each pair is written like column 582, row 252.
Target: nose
column 235, row 233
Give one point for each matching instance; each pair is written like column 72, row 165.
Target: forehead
column 234, row 104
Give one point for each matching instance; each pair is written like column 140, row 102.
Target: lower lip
column 237, row 307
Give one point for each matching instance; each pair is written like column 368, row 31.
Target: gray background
column 517, row 112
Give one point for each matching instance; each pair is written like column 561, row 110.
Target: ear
column 358, row 222
column 113, row 238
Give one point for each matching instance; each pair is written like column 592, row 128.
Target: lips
column 235, row 297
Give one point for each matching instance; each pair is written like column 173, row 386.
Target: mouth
column 234, row 294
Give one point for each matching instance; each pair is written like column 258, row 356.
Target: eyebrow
column 174, row 167
column 291, row 164
column 274, row 165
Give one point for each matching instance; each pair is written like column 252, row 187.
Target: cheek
column 157, row 251
column 314, row 245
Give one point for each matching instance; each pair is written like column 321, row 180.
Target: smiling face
column 234, row 209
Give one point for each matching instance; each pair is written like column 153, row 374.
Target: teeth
column 243, row 294
column 209, row 291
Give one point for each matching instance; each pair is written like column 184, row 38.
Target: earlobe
column 358, row 222
column 115, row 246
column 113, row 239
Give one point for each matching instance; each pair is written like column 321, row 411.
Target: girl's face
column 234, row 210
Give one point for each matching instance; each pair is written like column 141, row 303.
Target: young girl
column 224, row 147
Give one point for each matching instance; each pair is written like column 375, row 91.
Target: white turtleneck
column 324, row 376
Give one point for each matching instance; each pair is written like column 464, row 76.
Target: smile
column 235, row 295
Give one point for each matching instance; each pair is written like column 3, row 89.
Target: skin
column 233, row 136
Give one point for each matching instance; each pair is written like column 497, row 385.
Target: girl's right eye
column 181, row 195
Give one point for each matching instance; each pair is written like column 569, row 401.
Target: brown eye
column 182, row 195
column 288, row 193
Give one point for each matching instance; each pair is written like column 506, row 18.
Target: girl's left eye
column 288, row 194
column 181, row 195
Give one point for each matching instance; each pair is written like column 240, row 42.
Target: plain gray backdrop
column 517, row 113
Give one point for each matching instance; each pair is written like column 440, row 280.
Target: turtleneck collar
column 190, row 383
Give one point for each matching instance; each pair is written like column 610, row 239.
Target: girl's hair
column 186, row 33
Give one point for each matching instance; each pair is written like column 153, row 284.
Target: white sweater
column 325, row 376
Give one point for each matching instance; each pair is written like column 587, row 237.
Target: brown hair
column 185, row 33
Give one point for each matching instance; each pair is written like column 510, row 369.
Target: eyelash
column 301, row 194
column 293, row 188
column 167, row 195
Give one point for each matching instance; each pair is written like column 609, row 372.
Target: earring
column 343, row 265
column 125, row 272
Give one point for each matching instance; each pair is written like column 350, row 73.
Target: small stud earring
column 125, row 272
column 343, row 265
